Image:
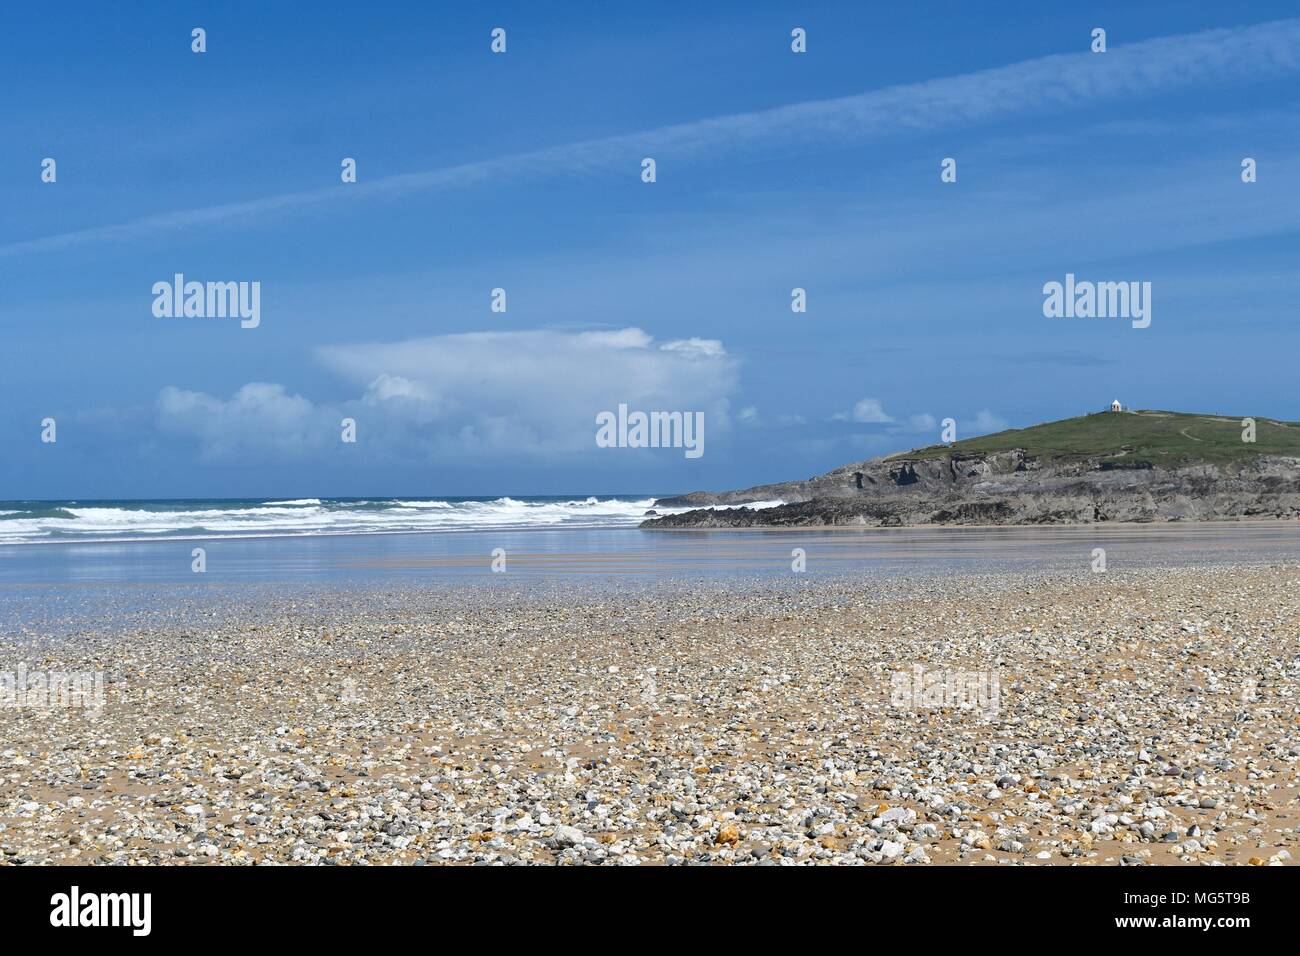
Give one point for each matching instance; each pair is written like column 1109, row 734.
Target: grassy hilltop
column 1134, row 439
column 1139, row 466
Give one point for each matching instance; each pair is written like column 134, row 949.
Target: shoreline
column 1091, row 525
column 788, row 529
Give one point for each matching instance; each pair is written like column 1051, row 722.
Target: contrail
column 1044, row 84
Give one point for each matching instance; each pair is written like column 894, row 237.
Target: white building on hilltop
column 1115, row 406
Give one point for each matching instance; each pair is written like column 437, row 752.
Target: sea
column 77, row 559
column 150, row 541
column 52, row 522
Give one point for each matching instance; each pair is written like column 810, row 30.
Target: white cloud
column 986, row 422
column 480, row 394
column 389, row 387
column 924, row 422
column 541, row 390
column 259, row 417
column 914, row 425
column 400, row 396
column 866, row 411
column 707, row 348
column 750, row 417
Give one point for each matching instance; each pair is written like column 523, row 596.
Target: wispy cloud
column 1053, row 83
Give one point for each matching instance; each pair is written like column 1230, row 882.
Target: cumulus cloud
column 538, row 390
column 479, row 394
column 400, row 397
column 260, row 416
column 867, row 411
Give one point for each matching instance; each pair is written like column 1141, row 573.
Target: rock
column 568, row 836
column 891, row 851
column 897, row 815
column 487, row 721
column 728, row 834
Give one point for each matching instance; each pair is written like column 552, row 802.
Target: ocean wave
column 60, row 514
column 118, row 521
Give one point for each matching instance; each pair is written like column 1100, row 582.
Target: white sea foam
column 315, row 516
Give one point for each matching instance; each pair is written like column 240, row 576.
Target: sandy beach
column 1142, row 716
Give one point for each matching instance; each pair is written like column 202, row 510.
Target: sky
column 522, row 171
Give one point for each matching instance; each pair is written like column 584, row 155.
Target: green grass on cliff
column 1163, row 439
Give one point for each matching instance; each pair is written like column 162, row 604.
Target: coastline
column 1090, row 525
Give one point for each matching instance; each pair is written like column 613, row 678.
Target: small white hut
column 1115, row 406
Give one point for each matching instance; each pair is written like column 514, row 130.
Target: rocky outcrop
column 1006, row 487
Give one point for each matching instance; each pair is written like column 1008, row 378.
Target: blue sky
column 522, row 171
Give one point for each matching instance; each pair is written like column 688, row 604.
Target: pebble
column 411, row 725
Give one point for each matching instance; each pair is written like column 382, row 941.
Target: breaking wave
column 45, row 521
